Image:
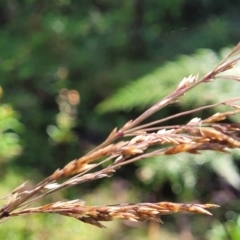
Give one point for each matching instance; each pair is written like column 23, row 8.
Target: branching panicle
column 143, row 141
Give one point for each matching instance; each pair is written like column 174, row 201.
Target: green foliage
column 10, row 127
column 157, row 84
column 227, row 230
column 66, row 118
column 183, row 171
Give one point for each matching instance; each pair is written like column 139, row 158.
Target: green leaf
column 155, row 85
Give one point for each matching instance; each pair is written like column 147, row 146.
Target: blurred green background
column 71, row 71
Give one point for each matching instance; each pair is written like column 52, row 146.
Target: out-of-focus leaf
column 154, row 86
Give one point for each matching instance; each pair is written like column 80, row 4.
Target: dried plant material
column 220, row 116
column 131, row 212
column 217, row 135
column 80, row 165
column 194, row 121
column 231, row 77
column 51, row 186
column 229, row 61
column 112, row 134
column 134, row 142
column 187, row 82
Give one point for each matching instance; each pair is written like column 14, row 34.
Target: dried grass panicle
column 117, row 150
column 131, row 212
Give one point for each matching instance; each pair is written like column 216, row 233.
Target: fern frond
column 157, row 84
